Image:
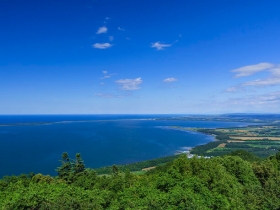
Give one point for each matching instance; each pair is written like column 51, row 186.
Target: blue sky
column 139, row 56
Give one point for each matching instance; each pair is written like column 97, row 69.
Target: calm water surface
column 35, row 143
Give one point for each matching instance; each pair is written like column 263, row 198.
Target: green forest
column 236, row 181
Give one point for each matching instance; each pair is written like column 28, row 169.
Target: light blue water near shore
column 35, row 143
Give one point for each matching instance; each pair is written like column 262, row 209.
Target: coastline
column 91, row 139
column 192, row 130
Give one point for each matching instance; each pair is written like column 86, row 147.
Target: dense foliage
column 138, row 166
column 227, row 182
column 244, row 155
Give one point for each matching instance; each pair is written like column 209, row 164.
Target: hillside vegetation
column 227, row 182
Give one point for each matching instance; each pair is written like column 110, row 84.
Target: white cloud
column 270, row 98
column 111, row 38
column 265, row 102
column 273, row 79
column 275, row 71
column 252, row 69
column 114, row 95
column 106, row 75
column 232, row 89
column 120, row 29
column 106, row 19
column 102, row 30
column 170, row 79
column 160, row 46
column 102, row 45
column 129, row 84
column 263, row 82
column 108, row 95
column 264, row 99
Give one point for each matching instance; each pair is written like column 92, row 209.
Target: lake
column 35, row 143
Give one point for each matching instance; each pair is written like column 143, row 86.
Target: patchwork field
column 262, row 140
column 222, row 145
column 246, row 138
column 251, row 131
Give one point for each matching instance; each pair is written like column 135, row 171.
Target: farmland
column 262, row 140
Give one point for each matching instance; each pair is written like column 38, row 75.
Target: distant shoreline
column 191, row 130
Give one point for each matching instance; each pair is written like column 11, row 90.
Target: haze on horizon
column 139, row 57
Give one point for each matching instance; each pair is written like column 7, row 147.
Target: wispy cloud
column 106, row 19
column 269, row 102
column 106, row 75
column 233, row 89
column 102, row 30
column 251, row 69
column 269, row 98
column 129, row 84
column 109, row 95
column 263, row 82
column 121, row 29
column 102, row 45
column 271, row 80
column 170, row 79
column 264, row 99
column 111, row 38
column 160, row 46
column 275, row 71
column 114, row 95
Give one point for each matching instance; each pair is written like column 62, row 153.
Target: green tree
column 64, row 171
column 79, row 165
column 115, row 170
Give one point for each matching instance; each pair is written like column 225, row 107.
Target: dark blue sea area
column 34, row 143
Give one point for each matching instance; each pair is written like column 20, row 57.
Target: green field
column 261, row 140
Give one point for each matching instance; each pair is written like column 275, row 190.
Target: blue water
column 35, row 143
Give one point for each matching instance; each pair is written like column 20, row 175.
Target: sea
column 35, row 143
